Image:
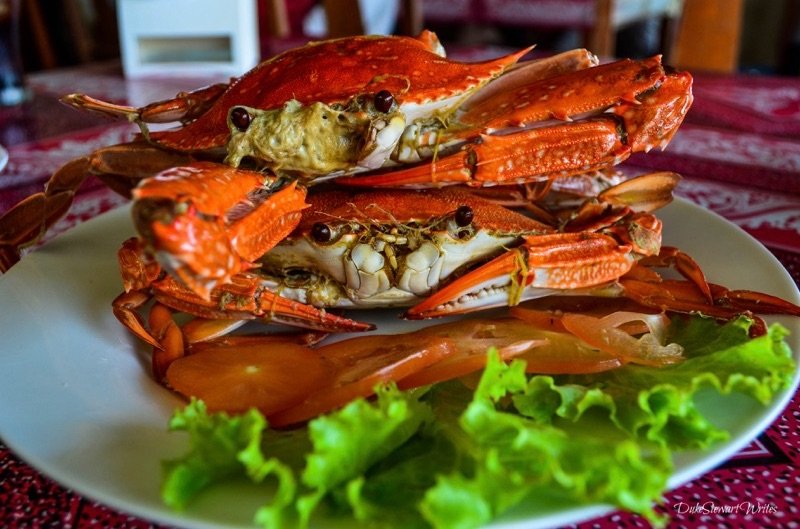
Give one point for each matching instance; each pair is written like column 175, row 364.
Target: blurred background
column 750, row 36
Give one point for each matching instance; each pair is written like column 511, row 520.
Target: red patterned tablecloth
column 739, row 152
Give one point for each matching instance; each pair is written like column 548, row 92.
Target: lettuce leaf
column 215, row 442
column 658, row 404
column 224, row 447
column 346, row 443
column 408, row 474
column 516, row 455
column 454, row 458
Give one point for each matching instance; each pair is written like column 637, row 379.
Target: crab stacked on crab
column 374, row 172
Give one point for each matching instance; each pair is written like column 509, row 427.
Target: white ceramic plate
column 76, row 401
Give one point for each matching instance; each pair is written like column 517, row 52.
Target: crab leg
column 680, row 261
column 207, row 222
column 543, row 265
column 246, row 297
column 684, row 296
column 184, row 107
column 524, row 73
column 29, row 219
column 600, row 127
column 120, row 167
column 527, row 156
column 544, row 269
column 565, row 96
column 645, row 286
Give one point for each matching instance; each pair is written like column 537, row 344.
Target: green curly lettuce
column 453, row 458
column 658, row 404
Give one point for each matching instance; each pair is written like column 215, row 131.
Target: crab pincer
column 542, row 265
column 208, row 222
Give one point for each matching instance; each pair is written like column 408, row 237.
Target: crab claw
column 185, row 107
column 646, row 288
column 543, row 265
column 539, row 130
column 694, row 294
column 248, row 297
column 207, row 222
column 684, row 296
column 245, row 297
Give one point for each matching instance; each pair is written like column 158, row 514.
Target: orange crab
column 441, row 252
column 242, row 182
column 341, row 107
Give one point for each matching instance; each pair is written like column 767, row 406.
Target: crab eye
column 320, row 232
column 383, row 101
column 464, row 216
column 240, row 118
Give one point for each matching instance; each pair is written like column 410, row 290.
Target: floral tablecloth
column 739, row 153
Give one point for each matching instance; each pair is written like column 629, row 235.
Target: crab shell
column 334, row 71
column 389, row 248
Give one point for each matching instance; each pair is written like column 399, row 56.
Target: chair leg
column 344, row 18
column 79, row 30
column 412, row 21
column 708, row 35
column 669, row 31
column 44, row 46
column 601, row 37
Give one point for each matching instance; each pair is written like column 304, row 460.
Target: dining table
column 738, row 152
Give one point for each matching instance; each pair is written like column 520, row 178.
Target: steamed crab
column 373, row 249
column 346, row 106
column 236, row 220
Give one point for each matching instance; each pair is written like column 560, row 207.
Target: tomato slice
column 545, row 352
column 290, row 382
column 472, row 338
column 551, row 319
column 269, row 374
column 548, row 320
column 360, row 364
column 603, row 334
column 566, row 354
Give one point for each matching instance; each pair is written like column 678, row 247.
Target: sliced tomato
column 359, row 365
column 291, row 382
column 545, row 352
column 548, row 320
column 270, row 375
column 472, row 339
column 277, row 339
column 566, row 354
column 603, row 334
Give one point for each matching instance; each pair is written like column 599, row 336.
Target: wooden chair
column 33, row 21
column 708, row 36
column 688, row 26
column 599, row 20
column 612, row 15
column 82, row 41
column 343, row 17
